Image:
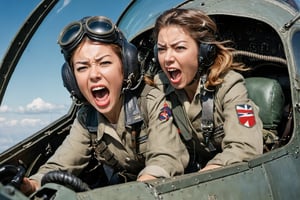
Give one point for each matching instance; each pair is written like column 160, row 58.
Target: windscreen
column 140, row 15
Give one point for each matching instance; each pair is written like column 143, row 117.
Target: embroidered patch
column 165, row 113
column 245, row 115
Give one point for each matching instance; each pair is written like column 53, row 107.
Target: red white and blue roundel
column 245, row 115
column 165, row 113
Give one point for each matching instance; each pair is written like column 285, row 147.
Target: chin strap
column 197, row 76
column 207, row 118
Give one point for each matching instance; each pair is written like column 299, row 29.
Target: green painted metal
column 274, row 175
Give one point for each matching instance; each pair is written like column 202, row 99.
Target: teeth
column 171, row 70
column 97, row 88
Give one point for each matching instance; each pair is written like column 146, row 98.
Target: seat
column 268, row 95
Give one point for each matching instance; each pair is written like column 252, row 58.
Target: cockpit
column 263, row 53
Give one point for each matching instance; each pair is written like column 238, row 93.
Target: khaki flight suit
column 238, row 141
column 161, row 151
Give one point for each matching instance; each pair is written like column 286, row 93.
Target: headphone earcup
column 70, row 82
column 130, row 62
column 155, row 53
column 207, row 54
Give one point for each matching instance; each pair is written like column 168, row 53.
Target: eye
column 105, row 63
column 161, row 49
column 81, row 68
column 180, row 48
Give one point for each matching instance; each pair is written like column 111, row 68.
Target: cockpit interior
column 264, row 55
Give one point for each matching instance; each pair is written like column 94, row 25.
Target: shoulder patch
column 165, row 113
column 245, row 115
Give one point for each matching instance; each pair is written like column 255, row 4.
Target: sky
column 35, row 95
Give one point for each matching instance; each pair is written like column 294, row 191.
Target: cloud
column 2, row 119
column 36, row 113
column 4, row 122
column 26, row 122
column 5, row 143
column 66, row 2
column 20, row 122
column 38, row 105
column 31, row 122
column 11, row 123
column 4, row 109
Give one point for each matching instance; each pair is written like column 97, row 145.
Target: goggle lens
column 70, row 34
column 100, row 27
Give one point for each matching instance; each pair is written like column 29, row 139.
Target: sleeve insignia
column 245, row 115
column 165, row 113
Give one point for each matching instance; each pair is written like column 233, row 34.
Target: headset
column 131, row 70
column 207, row 55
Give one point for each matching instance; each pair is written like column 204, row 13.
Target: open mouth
column 100, row 93
column 174, row 74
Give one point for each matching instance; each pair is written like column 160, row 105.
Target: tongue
column 101, row 93
column 175, row 74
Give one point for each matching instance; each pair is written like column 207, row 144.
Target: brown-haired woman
column 198, row 68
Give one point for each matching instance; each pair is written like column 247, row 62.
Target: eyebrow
column 97, row 59
column 173, row 44
column 80, row 62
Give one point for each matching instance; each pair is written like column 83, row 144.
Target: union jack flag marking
column 245, row 115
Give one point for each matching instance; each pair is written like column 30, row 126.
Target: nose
column 95, row 73
column 168, row 56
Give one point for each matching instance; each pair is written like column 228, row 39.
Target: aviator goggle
column 98, row 28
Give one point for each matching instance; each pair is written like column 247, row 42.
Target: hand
column 146, row 177
column 29, row 186
column 209, row 167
